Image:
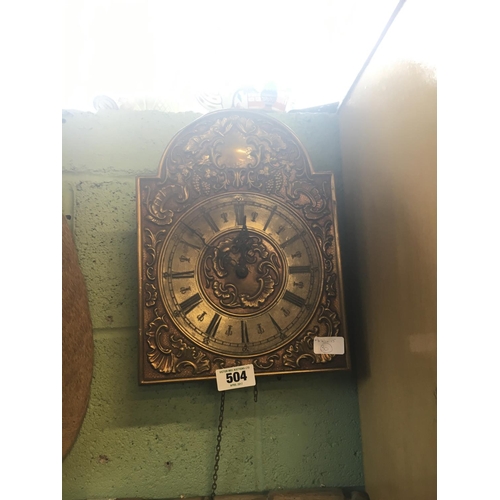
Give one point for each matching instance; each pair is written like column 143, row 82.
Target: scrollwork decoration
column 152, row 242
column 326, row 240
column 178, row 356
column 305, row 196
column 302, row 349
column 268, row 363
column 232, row 152
column 219, row 362
column 151, row 294
column 156, row 206
column 160, row 356
column 245, row 251
column 205, row 163
column 189, row 357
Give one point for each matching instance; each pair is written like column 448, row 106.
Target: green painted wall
column 159, row 441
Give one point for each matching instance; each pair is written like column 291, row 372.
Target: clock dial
column 241, row 274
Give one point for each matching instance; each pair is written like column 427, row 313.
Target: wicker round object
column 77, row 343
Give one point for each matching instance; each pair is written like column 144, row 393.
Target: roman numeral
column 194, row 231
column 294, row 299
column 292, row 239
column 239, row 210
column 280, row 331
column 196, row 247
column 244, row 332
column 299, row 269
column 211, row 222
column 180, row 275
column 189, row 304
column 214, row 324
column 273, row 211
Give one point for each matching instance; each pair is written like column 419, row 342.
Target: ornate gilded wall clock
column 238, row 254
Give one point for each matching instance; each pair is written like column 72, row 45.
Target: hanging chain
column 217, row 448
column 219, row 438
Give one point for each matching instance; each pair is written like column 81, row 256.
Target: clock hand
column 240, row 242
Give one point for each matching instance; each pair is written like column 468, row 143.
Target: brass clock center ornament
column 242, row 272
column 238, row 254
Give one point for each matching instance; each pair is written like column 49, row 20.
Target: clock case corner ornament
column 239, row 257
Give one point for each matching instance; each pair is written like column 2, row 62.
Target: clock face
column 240, row 274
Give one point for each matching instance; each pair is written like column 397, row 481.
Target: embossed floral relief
column 237, row 272
column 234, row 153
